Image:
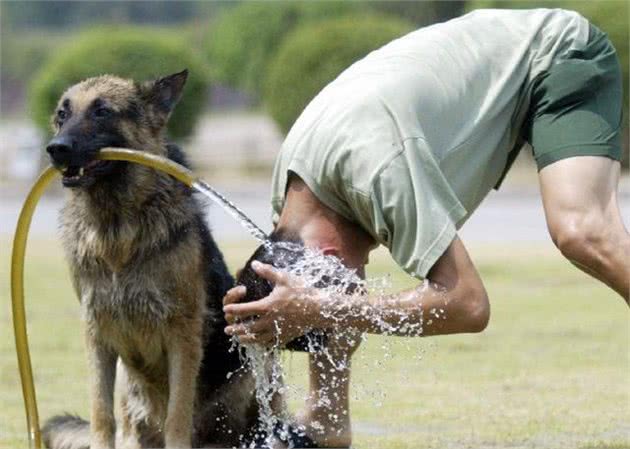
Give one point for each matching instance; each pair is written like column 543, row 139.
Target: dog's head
column 108, row 111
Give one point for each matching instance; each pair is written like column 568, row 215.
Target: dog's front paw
column 176, row 438
column 177, row 443
column 102, row 440
column 99, row 444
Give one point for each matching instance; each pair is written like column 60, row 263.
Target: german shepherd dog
column 150, row 280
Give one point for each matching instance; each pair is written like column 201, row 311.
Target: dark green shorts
column 576, row 106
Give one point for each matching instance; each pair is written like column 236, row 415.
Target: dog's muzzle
column 61, row 151
column 78, row 167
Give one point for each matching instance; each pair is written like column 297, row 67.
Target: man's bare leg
column 580, row 199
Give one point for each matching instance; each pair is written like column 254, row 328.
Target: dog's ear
column 164, row 93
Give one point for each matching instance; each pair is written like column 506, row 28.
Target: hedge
column 243, row 39
column 314, row 54
column 137, row 53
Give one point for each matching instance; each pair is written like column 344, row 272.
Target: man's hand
column 290, row 311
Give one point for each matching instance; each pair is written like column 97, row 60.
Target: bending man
column 402, row 147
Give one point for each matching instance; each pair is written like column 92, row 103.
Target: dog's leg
column 184, row 357
column 102, row 378
column 127, row 436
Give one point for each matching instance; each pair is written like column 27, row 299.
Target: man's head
column 319, row 226
column 108, row 111
column 285, row 250
column 306, row 222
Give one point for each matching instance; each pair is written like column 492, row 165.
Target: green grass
column 551, row 371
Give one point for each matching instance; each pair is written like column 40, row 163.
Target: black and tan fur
column 150, row 280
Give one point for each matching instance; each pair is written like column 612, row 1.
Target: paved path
column 505, row 216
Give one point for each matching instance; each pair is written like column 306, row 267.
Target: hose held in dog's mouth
column 19, row 249
column 17, row 265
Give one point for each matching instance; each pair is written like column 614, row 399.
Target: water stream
column 231, row 209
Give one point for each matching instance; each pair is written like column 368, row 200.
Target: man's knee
column 581, row 238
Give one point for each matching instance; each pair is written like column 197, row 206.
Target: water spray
column 165, row 165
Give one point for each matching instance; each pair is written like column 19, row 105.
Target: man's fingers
column 270, row 273
column 258, row 331
column 248, row 309
column 234, row 295
column 259, row 326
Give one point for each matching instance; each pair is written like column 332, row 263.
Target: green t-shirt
column 408, row 141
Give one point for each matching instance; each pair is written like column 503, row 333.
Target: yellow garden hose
column 17, row 268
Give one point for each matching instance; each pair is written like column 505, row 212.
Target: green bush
column 314, row 54
column 243, row 39
column 137, row 53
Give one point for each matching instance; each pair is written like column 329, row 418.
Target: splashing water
column 313, row 270
column 333, row 280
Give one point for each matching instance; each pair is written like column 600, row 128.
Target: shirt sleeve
column 412, row 210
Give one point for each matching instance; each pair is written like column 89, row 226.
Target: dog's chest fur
column 128, row 258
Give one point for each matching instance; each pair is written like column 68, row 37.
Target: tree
column 314, row 54
column 242, row 41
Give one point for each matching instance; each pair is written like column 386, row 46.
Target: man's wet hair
column 279, row 256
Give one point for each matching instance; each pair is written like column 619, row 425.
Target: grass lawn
column 551, row 371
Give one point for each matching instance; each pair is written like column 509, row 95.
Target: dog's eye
column 61, row 115
column 102, row 112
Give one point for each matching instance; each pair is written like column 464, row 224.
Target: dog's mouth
column 78, row 176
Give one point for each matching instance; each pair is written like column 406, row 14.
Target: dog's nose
column 60, row 149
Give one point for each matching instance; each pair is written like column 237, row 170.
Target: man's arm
column 453, row 300
column 455, row 294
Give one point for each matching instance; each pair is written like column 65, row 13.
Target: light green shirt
column 407, row 141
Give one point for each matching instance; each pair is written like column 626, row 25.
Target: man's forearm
column 428, row 309
column 455, row 301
